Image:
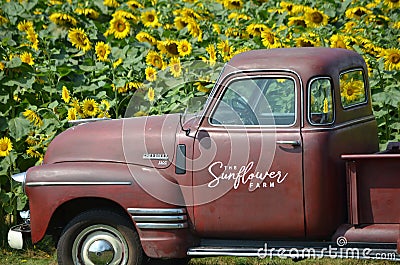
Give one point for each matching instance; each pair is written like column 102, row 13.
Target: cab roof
column 305, row 61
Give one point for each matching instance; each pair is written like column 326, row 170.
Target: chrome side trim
column 159, row 218
column 154, row 211
column 77, row 183
column 176, row 218
column 298, row 252
column 161, row 226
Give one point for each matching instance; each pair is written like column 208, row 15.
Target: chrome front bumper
column 18, row 233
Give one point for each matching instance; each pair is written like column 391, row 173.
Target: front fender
column 50, row 186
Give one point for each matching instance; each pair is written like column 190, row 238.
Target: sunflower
column 33, row 117
column 298, row 21
column 151, row 74
column 77, row 106
column 201, row 86
column 90, row 107
column 216, row 28
column 125, row 14
column 351, row 90
column 175, row 67
column 315, row 18
column 169, row 47
column 339, row 41
column 350, row 27
column 212, row 55
column 146, row 37
column 233, row 4
column 79, row 39
column 120, row 27
column 305, row 42
column 187, row 12
column 5, row 146
column 31, row 152
column 27, row 58
column 63, row 19
column 392, row 4
column 117, row 63
column 184, row 48
column 269, row 40
column 25, row 25
column 134, row 4
column 256, row 29
column 150, row 94
column 133, row 85
column 32, row 36
column 149, row 19
column 104, row 105
column 111, row 3
column 102, row 51
column 195, row 30
column 238, row 16
column 2, row 66
column 181, row 22
column 65, row 94
column 392, row 59
column 87, row 12
column 356, row 12
column 155, row 59
column 3, row 20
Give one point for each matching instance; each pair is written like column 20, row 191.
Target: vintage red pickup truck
column 283, row 160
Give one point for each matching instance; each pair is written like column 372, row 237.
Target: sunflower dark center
column 300, row 23
column 350, row 92
column 270, row 38
column 120, row 26
column 90, row 108
column 173, row 48
column 394, row 58
column 3, row 147
column 306, row 43
column 80, row 38
column 236, row 3
column 150, row 18
column 359, row 12
column 317, row 17
column 394, row 1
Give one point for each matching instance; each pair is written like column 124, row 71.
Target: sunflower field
column 70, row 60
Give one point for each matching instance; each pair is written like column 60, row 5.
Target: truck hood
column 141, row 141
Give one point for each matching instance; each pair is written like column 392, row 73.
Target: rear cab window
column 352, row 88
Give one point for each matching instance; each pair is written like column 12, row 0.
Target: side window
column 257, row 101
column 321, row 102
column 352, row 88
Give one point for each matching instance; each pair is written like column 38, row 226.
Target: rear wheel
column 99, row 237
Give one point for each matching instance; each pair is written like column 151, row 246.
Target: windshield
column 186, row 93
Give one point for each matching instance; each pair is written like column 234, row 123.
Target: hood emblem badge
column 155, row 156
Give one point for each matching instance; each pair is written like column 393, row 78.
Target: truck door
column 247, row 164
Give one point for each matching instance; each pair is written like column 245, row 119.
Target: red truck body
column 301, row 169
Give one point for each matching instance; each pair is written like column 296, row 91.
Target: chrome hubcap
column 101, row 252
column 100, row 245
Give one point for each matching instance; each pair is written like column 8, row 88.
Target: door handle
column 290, row 142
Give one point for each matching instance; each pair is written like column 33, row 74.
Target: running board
column 298, row 250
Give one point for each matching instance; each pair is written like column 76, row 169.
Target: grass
column 40, row 257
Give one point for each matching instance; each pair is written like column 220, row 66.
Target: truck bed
column 373, row 183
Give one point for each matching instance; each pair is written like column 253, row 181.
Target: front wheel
column 99, row 237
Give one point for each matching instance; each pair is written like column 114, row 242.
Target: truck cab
column 269, row 161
